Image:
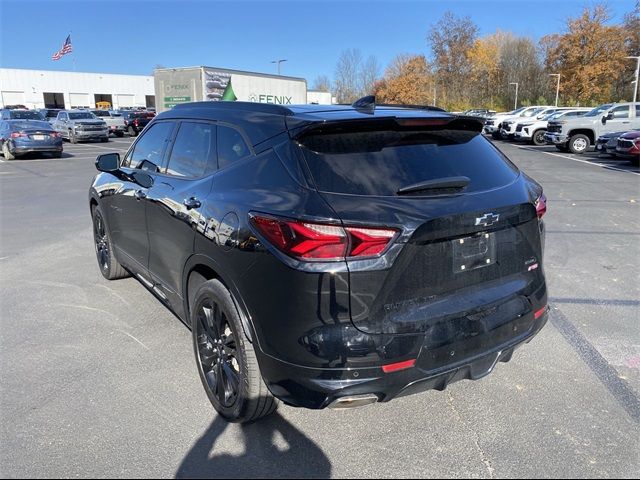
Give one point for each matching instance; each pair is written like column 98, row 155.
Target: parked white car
column 493, row 124
column 533, row 131
column 508, row 126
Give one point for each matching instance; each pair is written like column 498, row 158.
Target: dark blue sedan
column 18, row 137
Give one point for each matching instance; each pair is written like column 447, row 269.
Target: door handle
column 140, row 195
column 191, row 202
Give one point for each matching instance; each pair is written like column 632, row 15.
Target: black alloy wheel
column 217, row 353
column 109, row 266
column 226, row 360
column 538, row 137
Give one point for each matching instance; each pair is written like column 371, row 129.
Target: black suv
column 326, row 256
column 135, row 121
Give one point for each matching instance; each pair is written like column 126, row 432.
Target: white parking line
column 595, row 164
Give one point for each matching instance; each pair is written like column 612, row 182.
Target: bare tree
column 322, row 83
column 369, row 74
column 347, row 82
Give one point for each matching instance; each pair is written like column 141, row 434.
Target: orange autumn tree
column 590, row 57
column 406, row 81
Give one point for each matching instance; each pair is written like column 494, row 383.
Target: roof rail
column 245, row 106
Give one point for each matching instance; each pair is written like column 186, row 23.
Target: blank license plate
column 38, row 137
column 474, row 252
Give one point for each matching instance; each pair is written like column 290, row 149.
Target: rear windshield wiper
column 451, row 184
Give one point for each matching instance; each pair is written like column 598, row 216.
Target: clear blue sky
column 134, row 36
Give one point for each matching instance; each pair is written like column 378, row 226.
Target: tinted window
column 26, row 115
column 150, row 146
column 638, row 110
column 82, row 116
column 231, row 146
column 621, row 112
column 382, row 162
column 193, row 150
column 62, row 116
column 598, row 110
column 100, row 113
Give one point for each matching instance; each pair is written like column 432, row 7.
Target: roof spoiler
column 368, row 105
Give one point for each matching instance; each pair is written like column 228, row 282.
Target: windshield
column 100, row 113
column 30, row 125
column 82, row 116
column 26, row 115
column 532, row 112
column 599, row 110
column 382, row 162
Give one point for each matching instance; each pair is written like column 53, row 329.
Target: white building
column 319, row 97
column 53, row 89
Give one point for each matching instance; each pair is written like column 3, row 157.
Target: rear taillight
column 18, row 134
column 54, row 135
column 541, row 205
column 135, row 122
column 315, row 241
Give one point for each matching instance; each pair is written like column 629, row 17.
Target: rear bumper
column 317, row 388
column 22, row 149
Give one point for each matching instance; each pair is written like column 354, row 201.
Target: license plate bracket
column 473, row 252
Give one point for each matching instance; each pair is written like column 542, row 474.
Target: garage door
column 79, row 100
column 125, row 100
column 13, row 98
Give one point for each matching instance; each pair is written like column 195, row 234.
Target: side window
column 150, row 146
column 621, row 112
column 193, row 150
column 231, row 146
column 62, row 116
column 638, row 110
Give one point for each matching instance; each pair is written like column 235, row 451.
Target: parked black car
column 326, row 256
column 18, row 137
column 135, row 121
column 607, row 142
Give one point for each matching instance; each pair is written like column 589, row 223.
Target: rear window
column 30, row 125
column 100, row 113
column 382, row 162
column 25, row 115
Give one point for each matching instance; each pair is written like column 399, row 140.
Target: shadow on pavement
column 302, row 458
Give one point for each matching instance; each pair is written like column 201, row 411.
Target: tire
column 6, row 153
column 109, row 266
column 635, row 161
column 562, row 148
column 538, row 137
column 132, row 131
column 496, row 135
column 578, row 143
column 119, row 134
column 104, row 140
column 72, row 137
column 223, row 353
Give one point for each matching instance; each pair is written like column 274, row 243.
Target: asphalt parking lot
column 97, row 378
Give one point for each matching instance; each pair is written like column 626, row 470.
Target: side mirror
column 109, row 162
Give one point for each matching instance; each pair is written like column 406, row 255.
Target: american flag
column 66, row 48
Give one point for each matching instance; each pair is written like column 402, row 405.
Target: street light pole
column 557, row 86
column 515, row 106
column 635, row 88
column 279, row 62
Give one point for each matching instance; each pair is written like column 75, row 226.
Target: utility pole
column 279, row 62
column 635, row 87
column 434, row 95
column 516, row 102
column 557, row 86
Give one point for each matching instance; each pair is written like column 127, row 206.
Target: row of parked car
column 25, row 131
column 612, row 128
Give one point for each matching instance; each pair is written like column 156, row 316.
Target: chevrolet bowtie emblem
column 487, row 219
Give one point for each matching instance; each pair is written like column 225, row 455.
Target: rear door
column 620, row 121
column 460, row 251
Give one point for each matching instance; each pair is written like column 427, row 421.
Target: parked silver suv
column 80, row 125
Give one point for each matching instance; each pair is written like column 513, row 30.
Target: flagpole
column 73, row 59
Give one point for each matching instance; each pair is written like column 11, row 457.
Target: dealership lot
column 98, row 378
